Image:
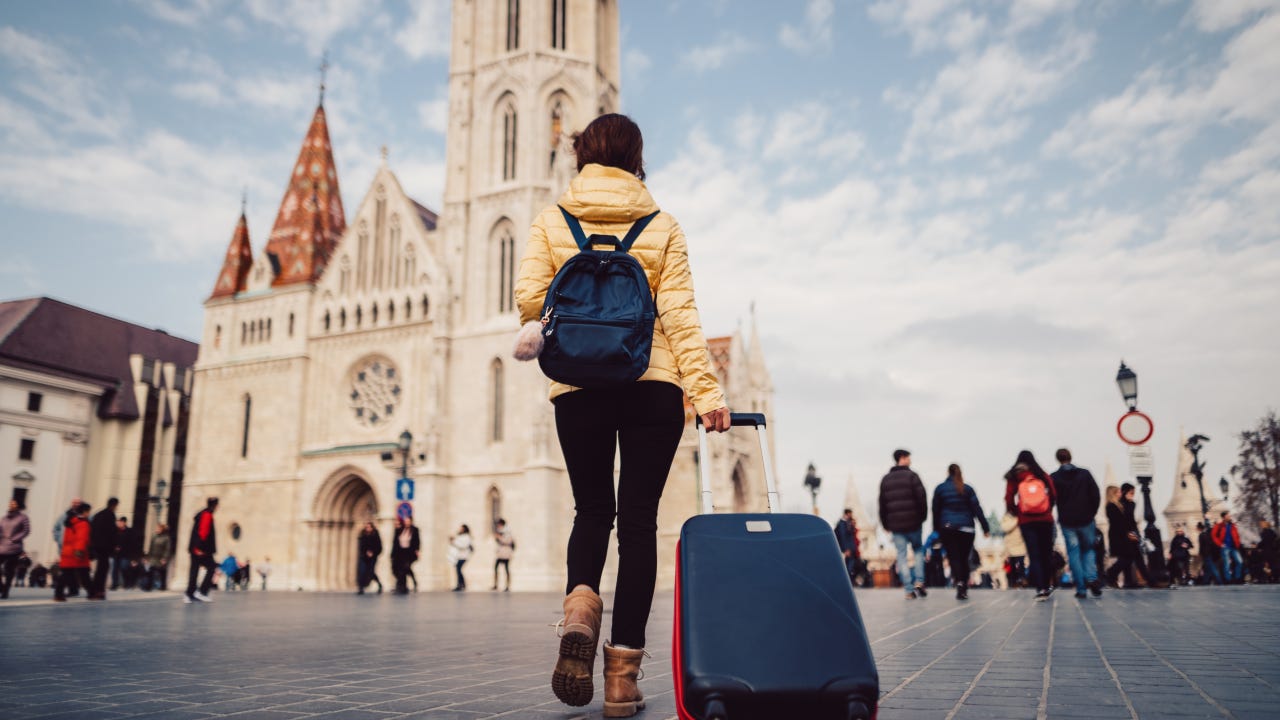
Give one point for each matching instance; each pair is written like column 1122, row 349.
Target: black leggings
column 197, row 562
column 958, row 545
column 1039, row 539
column 645, row 421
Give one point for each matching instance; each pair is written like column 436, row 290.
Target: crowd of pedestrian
column 1030, row 530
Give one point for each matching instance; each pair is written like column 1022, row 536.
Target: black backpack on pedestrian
column 598, row 316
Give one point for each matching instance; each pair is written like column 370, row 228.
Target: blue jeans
column 1232, row 565
column 1080, row 555
column 1212, row 567
column 910, row 575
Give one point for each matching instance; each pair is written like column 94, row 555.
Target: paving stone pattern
column 1186, row 653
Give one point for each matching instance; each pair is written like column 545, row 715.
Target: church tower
column 524, row 75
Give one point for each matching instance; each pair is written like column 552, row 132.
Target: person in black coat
column 955, row 508
column 1122, row 535
column 102, row 545
column 368, row 548
column 1180, row 548
column 405, row 545
column 904, row 504
column 847, row 539
column 1269, row 549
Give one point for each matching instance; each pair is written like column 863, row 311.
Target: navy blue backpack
column 597, row 319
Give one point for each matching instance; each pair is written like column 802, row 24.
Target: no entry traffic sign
column 1135, row 428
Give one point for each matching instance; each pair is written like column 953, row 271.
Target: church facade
column 352, row 351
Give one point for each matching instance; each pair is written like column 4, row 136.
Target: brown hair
column 613, row 140
column 1064, row 455
column 957, row 477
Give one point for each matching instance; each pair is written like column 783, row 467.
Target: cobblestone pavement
column 1187, row 653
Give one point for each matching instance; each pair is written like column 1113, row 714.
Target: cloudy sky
column 954, row 218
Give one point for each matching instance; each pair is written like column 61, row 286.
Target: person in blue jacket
column 955, row 507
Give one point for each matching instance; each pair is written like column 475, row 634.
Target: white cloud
column 49, row 76
column 635, row 66
column 1026, row 14
column 1162, row 110
column 187, row 13
column 1217, row 15
column 980, row 101
column 714, row 56
column 434, row 113
column 313, row 22
column 815, row 33
column 426, row 34
column 202, row 91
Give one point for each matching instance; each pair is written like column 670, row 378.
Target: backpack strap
column 633, row 234
column 575, row 227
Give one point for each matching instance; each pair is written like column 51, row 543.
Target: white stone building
column 90, row 407
column 321, row 351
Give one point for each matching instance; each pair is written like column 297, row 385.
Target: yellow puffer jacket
column 608, row 200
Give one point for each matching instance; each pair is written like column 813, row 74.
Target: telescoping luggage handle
column 755, row 420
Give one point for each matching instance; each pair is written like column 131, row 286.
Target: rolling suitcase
column 766, row 624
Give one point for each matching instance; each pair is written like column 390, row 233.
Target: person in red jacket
column 1029, row 495
column 202, row 547
column 1227, row 537
column 74, row 562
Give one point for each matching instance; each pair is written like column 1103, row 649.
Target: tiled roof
column 51, row 336
column 235, row 268
column 426, row 215
column 310, row 220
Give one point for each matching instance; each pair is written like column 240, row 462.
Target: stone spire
column 235, row 267
column 1183, row 509
column 311, row 219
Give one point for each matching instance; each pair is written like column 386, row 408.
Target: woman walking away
column 460, row 549
column 955, row 507
column 74, row 562
column 645, row 417
column 1122, row 535
column 1029, row 496
column 406, row 542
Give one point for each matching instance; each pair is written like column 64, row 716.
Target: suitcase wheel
column 714, row 710
column 858, row 710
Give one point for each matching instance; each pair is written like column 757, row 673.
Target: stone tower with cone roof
column 235, row 268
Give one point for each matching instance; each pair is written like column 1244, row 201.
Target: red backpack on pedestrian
column 1033, row 496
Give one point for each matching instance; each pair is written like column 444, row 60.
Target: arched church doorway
column 342, row 507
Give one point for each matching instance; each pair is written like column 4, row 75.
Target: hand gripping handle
column 756, row 420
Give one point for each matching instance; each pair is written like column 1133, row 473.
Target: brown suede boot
column 572, row 679
column 622, row 696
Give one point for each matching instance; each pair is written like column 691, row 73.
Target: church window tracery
column 504, row 263
column 375, row 391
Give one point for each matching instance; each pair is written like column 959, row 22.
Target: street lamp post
column 406, row 442
column 1225, row 487
column 1140, row 460
column 813, row 482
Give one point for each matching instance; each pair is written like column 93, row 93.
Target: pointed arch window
column 513, row 25
column 509, row 141
column 495, row 508
column 557, row 24
column 410, row 265
column 408, row 308
column 495, row 376
column 557, row 127
column 328, row 320
column 344, row 275
column 373, row 314
column 362, row 253
column 506, row 271
column 393, row 253
column 359, row 316
column 425, row 306
column 342, row 319
column 290, row 324
column 391, row 311
column 244, row 438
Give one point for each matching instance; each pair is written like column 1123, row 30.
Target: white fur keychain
column 528, row 341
